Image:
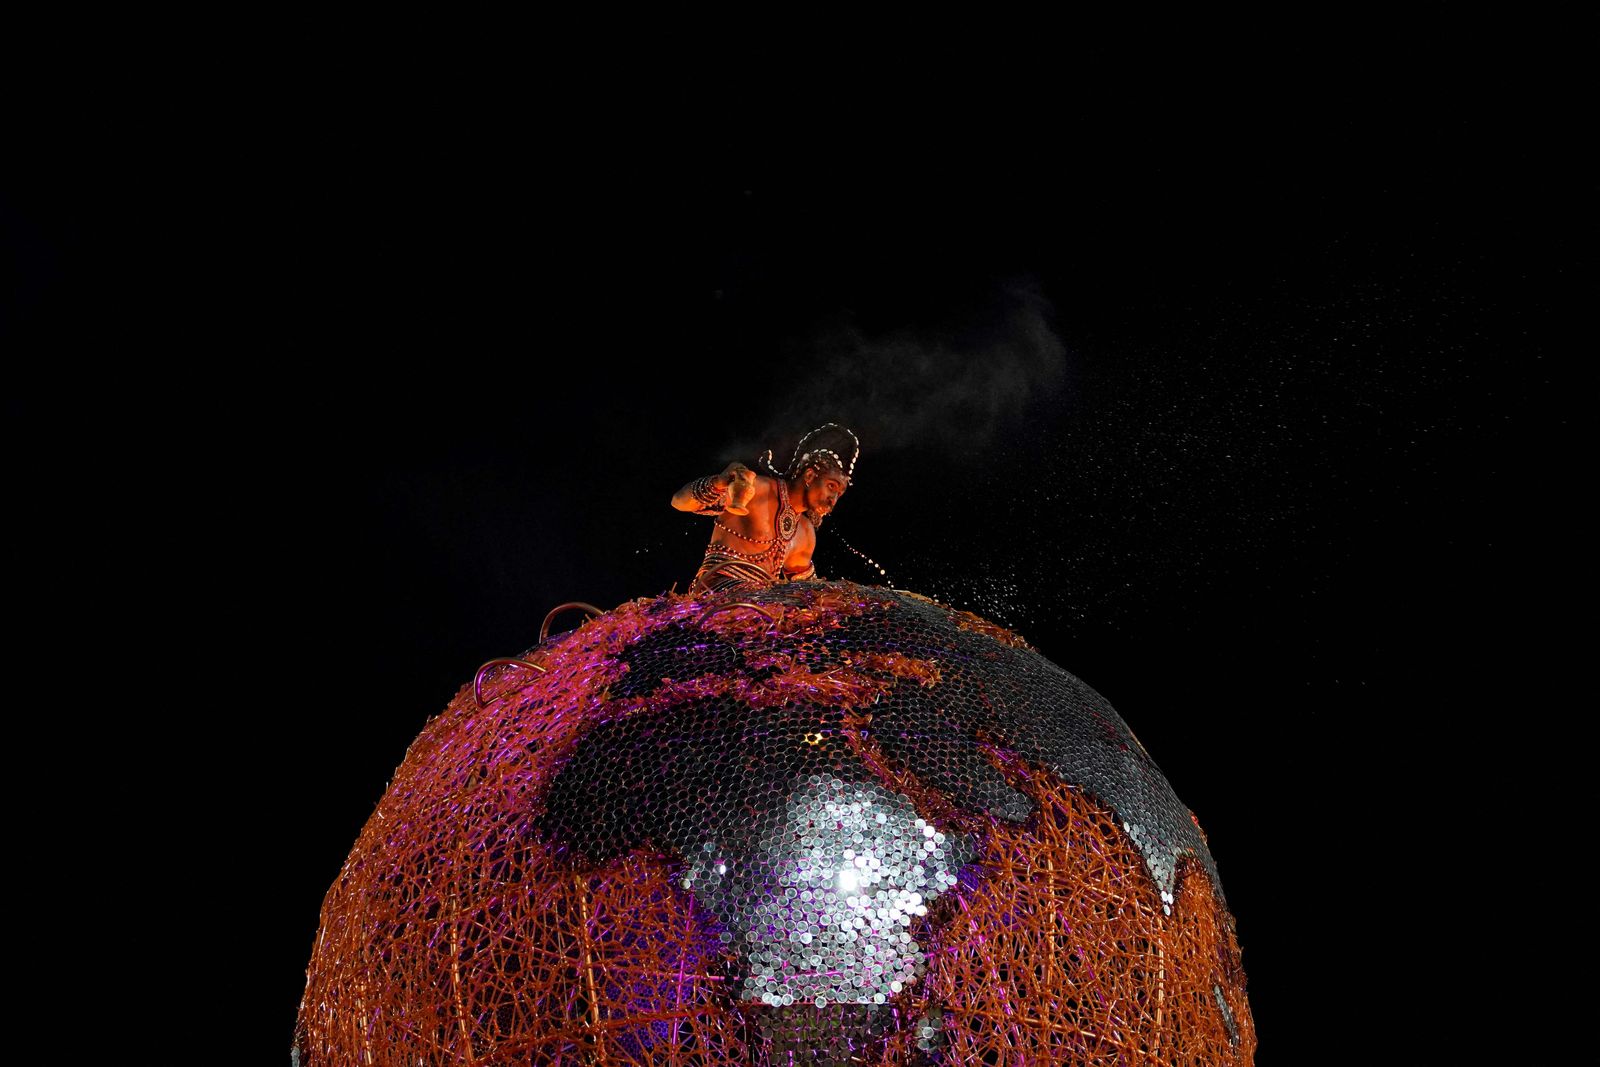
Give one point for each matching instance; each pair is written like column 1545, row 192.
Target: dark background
column 1244, row 410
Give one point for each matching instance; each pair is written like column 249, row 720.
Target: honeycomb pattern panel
column 820, row 824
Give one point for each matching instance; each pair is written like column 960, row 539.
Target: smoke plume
column 944, row 390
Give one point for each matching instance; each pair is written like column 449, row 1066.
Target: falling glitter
column 869, row 560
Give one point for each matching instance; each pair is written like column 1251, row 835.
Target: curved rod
column 771, row 617
column 477, row 679
column 544, row 627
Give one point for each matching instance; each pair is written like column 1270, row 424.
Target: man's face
column 823, row 489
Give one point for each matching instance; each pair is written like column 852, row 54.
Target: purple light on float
column 594, row 786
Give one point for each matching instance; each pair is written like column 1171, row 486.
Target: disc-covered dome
column 821, row 824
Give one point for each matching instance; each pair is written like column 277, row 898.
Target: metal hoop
column 715, row 608
column 477, row 679
column 544, row 627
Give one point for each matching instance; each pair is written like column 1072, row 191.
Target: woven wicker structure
column 825, row 824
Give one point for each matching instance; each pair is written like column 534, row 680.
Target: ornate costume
column 726, row 568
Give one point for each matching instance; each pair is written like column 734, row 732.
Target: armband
column 707, row 493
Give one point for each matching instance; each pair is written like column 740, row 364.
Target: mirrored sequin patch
column 1227, row 1013
column 821, row 909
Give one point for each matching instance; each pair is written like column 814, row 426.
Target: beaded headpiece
column 798, row 461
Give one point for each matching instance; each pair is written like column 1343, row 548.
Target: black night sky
column 1245, row 413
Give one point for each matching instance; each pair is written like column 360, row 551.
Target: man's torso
column 770, row 535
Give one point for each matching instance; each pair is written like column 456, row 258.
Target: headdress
column 798, row 461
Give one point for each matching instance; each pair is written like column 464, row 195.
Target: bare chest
column 771, row 531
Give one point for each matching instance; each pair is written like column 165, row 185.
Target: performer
column 766, row 525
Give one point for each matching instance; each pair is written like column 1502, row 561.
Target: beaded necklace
column 786, row 522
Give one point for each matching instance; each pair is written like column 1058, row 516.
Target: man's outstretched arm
column 730, row 490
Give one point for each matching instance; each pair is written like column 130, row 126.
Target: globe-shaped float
column 820, row 824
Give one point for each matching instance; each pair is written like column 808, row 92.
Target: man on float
column 766, row 525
